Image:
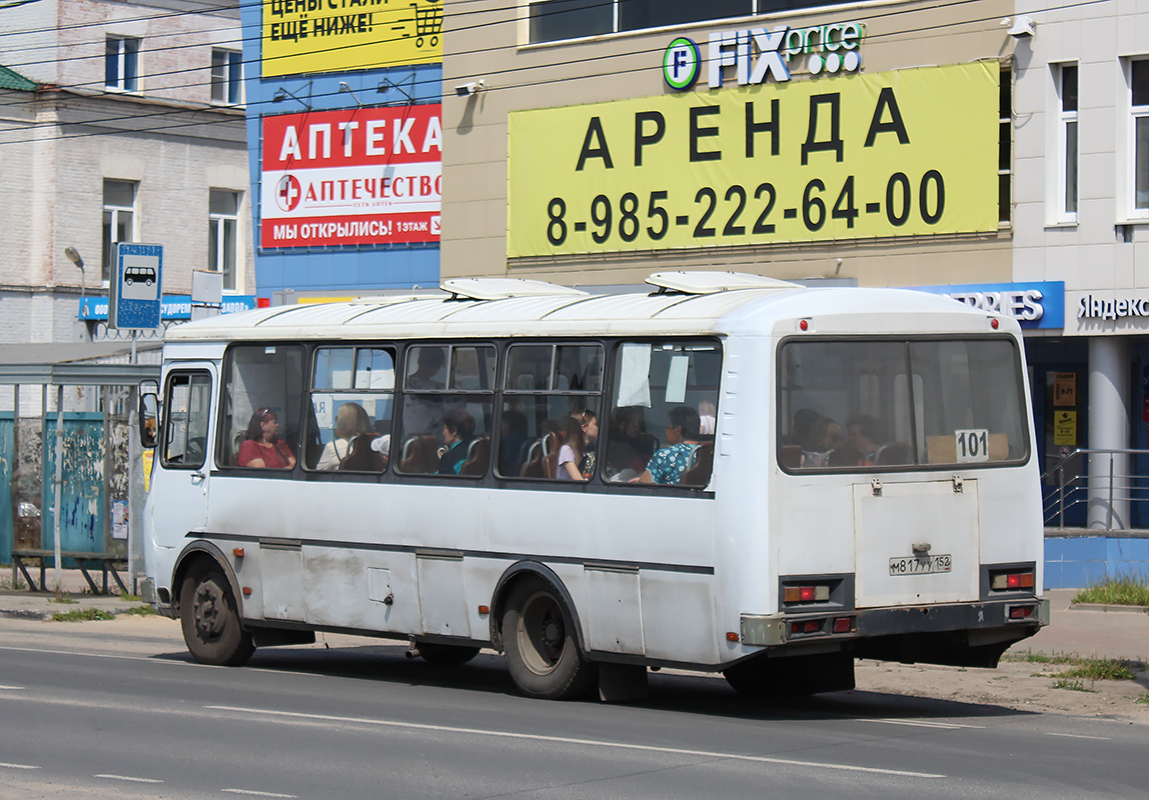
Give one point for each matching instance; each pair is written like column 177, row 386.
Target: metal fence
column 1100, row 489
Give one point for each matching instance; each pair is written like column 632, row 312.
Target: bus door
column 180, row 478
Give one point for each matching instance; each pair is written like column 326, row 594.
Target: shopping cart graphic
column 428, row 23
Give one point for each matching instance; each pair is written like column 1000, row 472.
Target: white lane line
column 257, row 794
column 12, row 688
column 918, row 723
column 17, row 766
column 1079, row 736
column 568, row 740
column 128, row 778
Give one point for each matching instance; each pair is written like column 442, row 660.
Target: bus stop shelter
column 71, row 480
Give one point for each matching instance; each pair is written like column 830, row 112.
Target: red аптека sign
column 351, row 177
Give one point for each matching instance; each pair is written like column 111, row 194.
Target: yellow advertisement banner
column 902, row 153
column 306, row 36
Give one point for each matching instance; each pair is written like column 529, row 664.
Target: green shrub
column 1128, row 591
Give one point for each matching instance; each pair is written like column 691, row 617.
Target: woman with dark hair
column 682, row 436
column 458, row 430
column 573, row 449
column 261, row 446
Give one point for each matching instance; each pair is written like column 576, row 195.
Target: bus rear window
column 900, row 404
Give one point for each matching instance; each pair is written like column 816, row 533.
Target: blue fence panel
column 82, row 500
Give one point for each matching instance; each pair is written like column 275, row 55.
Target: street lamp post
column 74, row 256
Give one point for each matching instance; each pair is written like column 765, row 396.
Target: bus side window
column 261, row 376
column 664, row 412
column 352, row 401
column 545, row 386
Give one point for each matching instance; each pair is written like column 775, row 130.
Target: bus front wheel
column 210, row 621
column 538, row 637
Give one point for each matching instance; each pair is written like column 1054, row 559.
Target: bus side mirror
column 149, row 413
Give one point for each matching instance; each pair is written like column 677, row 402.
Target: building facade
column 345, row 144
column 123, row 122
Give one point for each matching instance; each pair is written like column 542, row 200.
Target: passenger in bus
column 707, row 418
column 668, row 464
column 629, row 448
column 846, row 457
column 420, row 455
column 350, row 421
column 421, row 413
column 589, row 421
column 573, row 449
column 823, row 436
column 458, row 430
column 513, row 442
column 261, row 446
column 862, row 434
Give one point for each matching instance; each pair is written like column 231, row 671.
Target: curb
column 1108, row 608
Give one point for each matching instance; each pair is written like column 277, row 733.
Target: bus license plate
column 924, row 565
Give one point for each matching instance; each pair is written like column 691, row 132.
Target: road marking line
column 17, row 766
column 1079, row 736
column 12, row 688
column 569, row 740
column 128, row 778
column 920, row 723
column 257, row 794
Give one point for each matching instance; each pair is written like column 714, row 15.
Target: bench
column 106, row 561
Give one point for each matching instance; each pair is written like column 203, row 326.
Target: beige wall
column 484, row 40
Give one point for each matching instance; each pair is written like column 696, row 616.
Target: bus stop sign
column 136, row 298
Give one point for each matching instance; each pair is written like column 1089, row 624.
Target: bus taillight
column 1011, row 581
column 806, row 594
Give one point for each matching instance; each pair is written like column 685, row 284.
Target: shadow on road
column 671, row 692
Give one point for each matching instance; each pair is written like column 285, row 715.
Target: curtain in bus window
column 664, row 414
column 259, row 379
column 551, row 406
column 352, row 402
column 971, row 401
column 448, row 410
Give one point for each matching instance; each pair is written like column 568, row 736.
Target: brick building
column 120, row 122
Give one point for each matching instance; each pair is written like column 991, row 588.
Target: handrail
column 1071, row 475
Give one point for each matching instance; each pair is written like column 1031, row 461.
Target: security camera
column 467, row 89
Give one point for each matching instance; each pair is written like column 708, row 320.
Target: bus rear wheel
column 542, row 654
column 210, row 621
column 446, row 655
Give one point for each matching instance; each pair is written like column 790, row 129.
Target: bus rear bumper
column 961, row 634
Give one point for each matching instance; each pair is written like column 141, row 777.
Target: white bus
column 783, row 479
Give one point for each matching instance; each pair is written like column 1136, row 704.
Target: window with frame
column 122, row 64
column 1066, row 77
column 1139, row 121
column 223, row 236
column 187, row 409
column 262, row 384
column 119, row 221
column 1005, row 147
column 898, row 404
column 448, row 410
column 227, row 77
column 663, row 412
column 552, row 400
column 352, row 403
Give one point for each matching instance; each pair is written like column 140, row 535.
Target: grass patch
column 1073, row 686
column 141, row 611
column 81, row 615
column 1099, row 669
column 1143, row 699
column 17, row 585
column 63, row 599
column 1116, row 592
column 131, row 598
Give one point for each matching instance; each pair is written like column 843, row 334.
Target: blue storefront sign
column 172, row 306
column 1034, row 305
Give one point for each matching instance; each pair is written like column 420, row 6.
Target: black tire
column 445, row 655
column 541, row 650
column 210, row 622
column 796, row 676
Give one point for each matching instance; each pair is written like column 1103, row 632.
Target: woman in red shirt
column 262, row 448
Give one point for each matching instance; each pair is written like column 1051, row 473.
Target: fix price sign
column 904, row 153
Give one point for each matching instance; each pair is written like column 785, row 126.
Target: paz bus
column 765, row 480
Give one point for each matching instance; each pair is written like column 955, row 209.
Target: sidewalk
column 42, row 605
column 1086, row 631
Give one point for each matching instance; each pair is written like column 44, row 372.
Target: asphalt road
column 130, row 716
